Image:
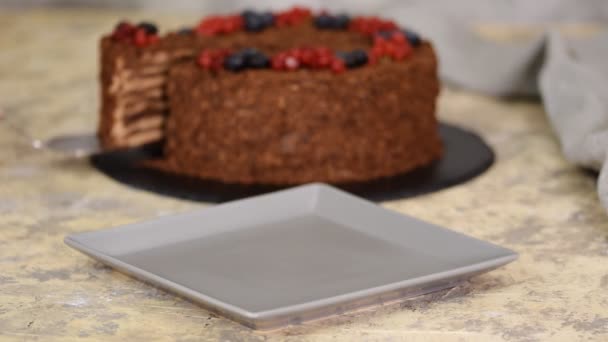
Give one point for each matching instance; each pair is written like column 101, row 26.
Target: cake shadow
column 466, row 156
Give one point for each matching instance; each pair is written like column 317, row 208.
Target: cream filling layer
column 143, row 137
column 154, row 121
column 124, row 112
column 140, row 91
column 122, row 84
column 129, row 100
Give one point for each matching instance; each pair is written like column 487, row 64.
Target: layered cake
column 273, row 98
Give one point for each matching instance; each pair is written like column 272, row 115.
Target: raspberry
column 291, row 63
column 205, row 59
column 398, row 37
column 124, row 27
column 123, row 32
column 379, row 40
column 291, row 17
column 212, row 59
column 387, row 26
column 323, row 51
column 215, row 25
column 337, row 66
column 308, row 57
column 278, row 61
column 400, row 52
column 323, row 61
column 150, row 28
column 378, row 51
column 295, row 52
column 235, row 23
column 371, row 25
column 141, row 38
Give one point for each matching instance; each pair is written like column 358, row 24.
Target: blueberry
column 324, row 21
column 254, row 23
column 360, row 57
column 353, row 59
column 148, row 27
column 412, row 37
column 341, row 21
column 254, row 58
column 267, row 18
column 248, row 13
column 185, row 31
column 258, row 61
column 349, row 59
column 234, row 62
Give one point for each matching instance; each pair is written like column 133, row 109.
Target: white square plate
column 292, row 256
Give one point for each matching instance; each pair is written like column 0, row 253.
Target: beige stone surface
column 531, row 200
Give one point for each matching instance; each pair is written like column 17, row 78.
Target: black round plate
column 466, row 155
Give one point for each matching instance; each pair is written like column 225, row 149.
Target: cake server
column 80, row 145
column 74, row 145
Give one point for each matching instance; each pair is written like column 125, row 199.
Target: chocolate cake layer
column 264, row 126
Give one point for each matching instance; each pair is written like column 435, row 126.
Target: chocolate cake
column 283, row 98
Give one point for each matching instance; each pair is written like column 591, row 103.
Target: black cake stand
column 466, row 155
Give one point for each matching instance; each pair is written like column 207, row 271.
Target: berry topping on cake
column 388, row 40
column 326, row 21
column 395, row 46
column 123, row 31
column 291, row 17
column 258, row 61
column 323, row 21
column 371, row 25
column 246, row 58
column 142, row 35
column 215, row 25
column 148, row 27
column 291, row 63
column 353, row 59
column 235, row 62
column 412, row 37
column 338, row 66
column 212, row 59
column 257, row 21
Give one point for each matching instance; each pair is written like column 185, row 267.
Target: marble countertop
column 531, row 201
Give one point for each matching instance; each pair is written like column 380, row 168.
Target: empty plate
column 291, row 256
